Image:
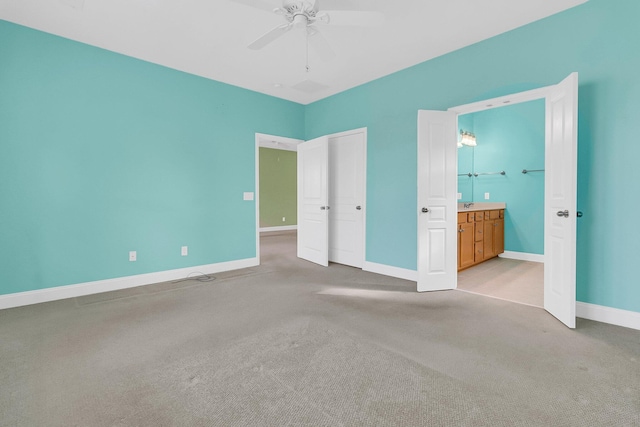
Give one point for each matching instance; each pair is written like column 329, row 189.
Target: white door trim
column 267, row 141
column 503, row 101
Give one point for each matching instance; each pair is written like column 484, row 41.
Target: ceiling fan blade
column 320, row 44
column 351, row 18
column 269, row 37
column 257, row 4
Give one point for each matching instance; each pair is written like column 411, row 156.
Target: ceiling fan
column 305, row 14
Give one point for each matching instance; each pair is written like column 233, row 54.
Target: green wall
column 278, row 189
column 509, row 139
column 101, row 154
column 598, row 39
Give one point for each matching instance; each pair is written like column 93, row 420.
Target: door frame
column 285, row 143
column 267, row 141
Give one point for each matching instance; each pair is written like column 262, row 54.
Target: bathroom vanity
column 480, row 232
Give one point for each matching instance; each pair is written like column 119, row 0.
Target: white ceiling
column 209, row 37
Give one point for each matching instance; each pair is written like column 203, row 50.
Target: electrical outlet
column 184, row 251
column 133, row 256
column 486, row 196
column 283, row 219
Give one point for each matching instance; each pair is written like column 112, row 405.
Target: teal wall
column 599, row 40
column 101, row 154
column 509, row 139
column 278, row 187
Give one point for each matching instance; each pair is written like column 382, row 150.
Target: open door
column 313, row 192
column 560, row 200
column 437, row 204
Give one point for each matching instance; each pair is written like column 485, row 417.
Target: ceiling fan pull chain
column 306, row 44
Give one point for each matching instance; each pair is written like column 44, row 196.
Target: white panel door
column 313, row 187
column 346, row 198
column 437, row 204
column 560, row 201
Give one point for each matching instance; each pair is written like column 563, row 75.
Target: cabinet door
column 479, row 252
column 498, row 237
column 465, row 245
column 479, row 232
column 489, row 250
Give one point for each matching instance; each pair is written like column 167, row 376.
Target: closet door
column 313, row 196
column 346, row 197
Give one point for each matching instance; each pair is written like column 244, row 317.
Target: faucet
column 468, row 205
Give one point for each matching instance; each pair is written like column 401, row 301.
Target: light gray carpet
column 291, row 343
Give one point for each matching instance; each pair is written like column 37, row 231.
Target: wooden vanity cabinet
column 465, row 240
column 480, row 236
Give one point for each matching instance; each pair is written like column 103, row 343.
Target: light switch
column 248, row 195
column 486, row 196
column 184, row 250
column 459, row 196
column 133, row 255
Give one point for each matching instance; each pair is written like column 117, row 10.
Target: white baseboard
column 70, row 291
column 281, row 228
column 614, row 316
column 387, row 270
column 522, row 256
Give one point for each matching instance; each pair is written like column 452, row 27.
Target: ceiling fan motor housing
column 300, row 7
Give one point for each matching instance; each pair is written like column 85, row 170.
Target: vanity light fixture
column 467, row 138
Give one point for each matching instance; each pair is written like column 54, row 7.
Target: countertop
column 481, row 206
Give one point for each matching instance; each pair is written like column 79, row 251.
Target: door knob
column 564, row 213
column 425, row 210
column 358, row 207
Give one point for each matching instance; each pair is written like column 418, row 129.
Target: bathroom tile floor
column 507, row 279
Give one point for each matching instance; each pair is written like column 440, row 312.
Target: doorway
column 502, row 161
column 331, row 196
column 268, row 198
column 437, row 215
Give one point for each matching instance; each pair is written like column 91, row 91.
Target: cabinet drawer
column 479, row 252
column 493, row 215
column 462, row 217
column 479, row 216
column 501, row 213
